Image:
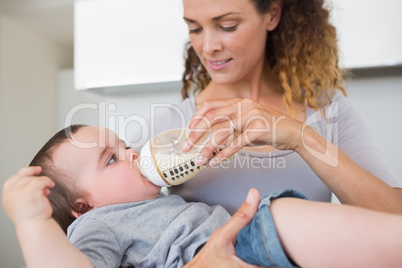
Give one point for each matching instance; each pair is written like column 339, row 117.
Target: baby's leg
column 316, row 234
column 258, row 243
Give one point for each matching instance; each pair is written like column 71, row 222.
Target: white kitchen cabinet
column 370, row 32
column 122, row 44
column 131, row 43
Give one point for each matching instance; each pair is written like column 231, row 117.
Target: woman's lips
column 219, row 65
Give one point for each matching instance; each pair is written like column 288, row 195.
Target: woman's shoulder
column 337, row 109
column 335, row 102
column 338, row 95
column 341, row 105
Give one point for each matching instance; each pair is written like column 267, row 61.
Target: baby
column 90, row 184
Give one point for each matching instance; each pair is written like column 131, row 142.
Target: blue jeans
column 258, row 243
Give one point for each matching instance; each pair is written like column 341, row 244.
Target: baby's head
column 92, row 168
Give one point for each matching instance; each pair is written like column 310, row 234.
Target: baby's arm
column 42, row 241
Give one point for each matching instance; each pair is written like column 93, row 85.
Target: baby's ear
column 81, row 206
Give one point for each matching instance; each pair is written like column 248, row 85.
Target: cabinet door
column 128, row 42
column 370, row 32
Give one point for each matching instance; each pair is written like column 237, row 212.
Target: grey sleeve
column 354, row 139
column 98, row 242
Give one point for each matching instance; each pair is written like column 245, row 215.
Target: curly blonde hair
column 302, row 52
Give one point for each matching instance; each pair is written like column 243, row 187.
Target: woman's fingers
column 219, row 251
column 205, row 120
column 252, row 129
column 221, row 137
column 242, row 217
column 204, row 127
column 241, row 110
column 229, row 150
column 246, row 122
column 207, row 107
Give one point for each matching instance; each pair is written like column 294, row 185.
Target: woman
column 270, row 66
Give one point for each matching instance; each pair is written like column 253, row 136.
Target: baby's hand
column 25, row 196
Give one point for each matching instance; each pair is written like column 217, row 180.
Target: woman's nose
column 212, row 43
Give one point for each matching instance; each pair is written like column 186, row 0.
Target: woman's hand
column 24, row 196
column 254, row 124
column 219, row 251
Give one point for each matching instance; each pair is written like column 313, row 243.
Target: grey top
column 227, row 185
column 163, row 232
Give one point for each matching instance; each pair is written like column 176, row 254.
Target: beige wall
column 29, row 65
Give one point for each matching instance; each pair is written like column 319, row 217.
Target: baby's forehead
column 90, row 134
column 84, row 147
column 92, row 137
column 66, row 155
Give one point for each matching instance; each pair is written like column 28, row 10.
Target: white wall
column 127, row 103
column 379, row 101
column 29, row 64
column 368, row 32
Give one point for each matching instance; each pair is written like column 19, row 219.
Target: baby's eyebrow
column 102, row 154
column 121, row 142
column 104, row 151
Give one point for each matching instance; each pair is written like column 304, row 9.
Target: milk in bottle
column 164, row 163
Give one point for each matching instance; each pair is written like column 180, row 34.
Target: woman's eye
column 229, row 29
column 194, row 31
column 112, row 160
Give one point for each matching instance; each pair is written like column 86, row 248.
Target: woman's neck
column 264, row 89
column 258, row 87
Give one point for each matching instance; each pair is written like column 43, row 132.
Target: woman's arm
column 42, row 241
column 257, row 124
column 352, row 184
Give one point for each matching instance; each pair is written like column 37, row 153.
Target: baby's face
column 102, row 166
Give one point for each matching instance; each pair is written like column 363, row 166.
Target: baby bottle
column 164, row 163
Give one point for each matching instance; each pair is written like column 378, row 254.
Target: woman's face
column 228, row 36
